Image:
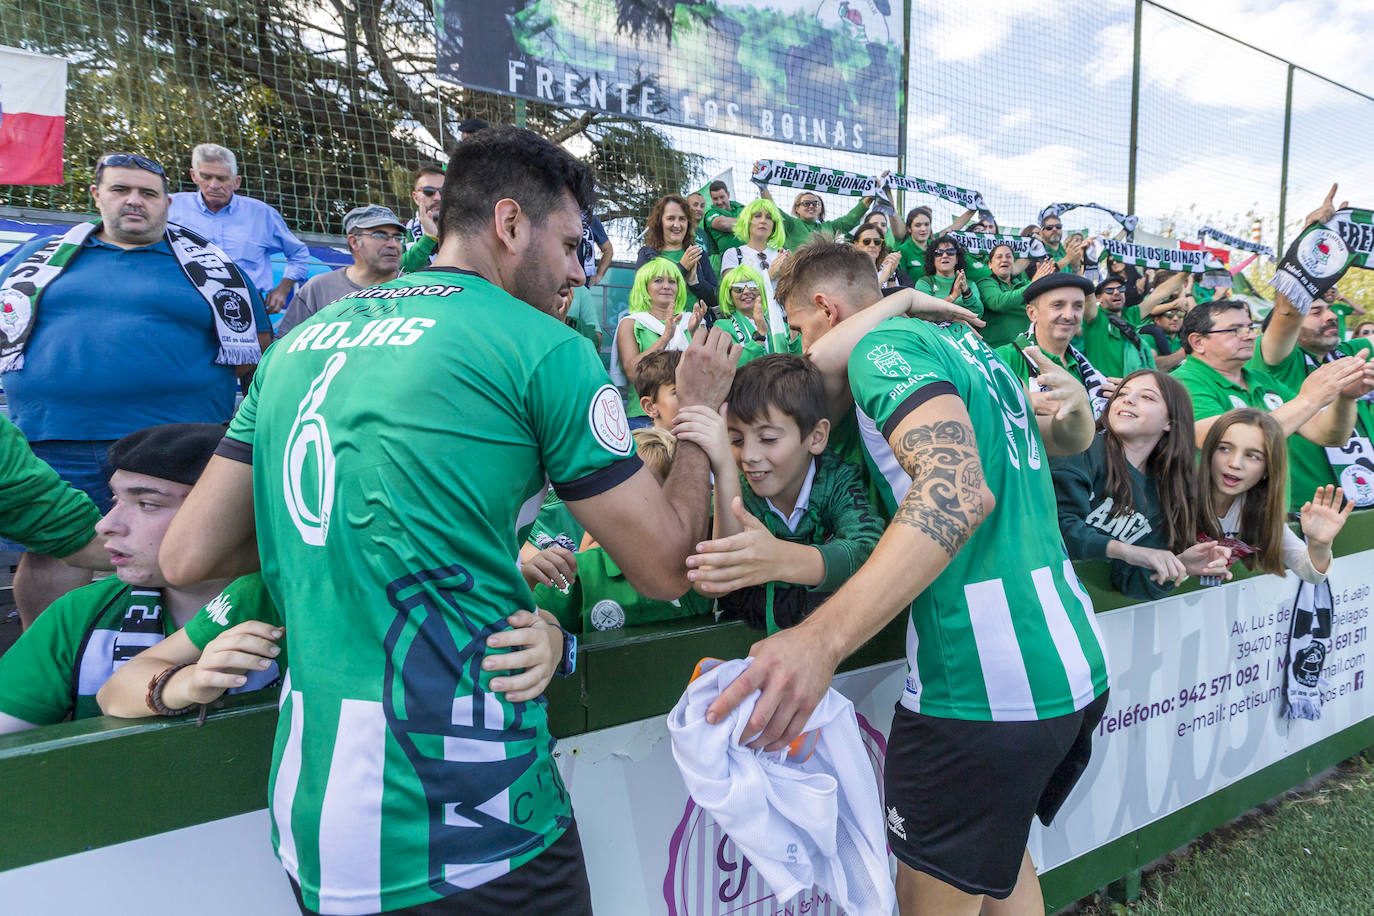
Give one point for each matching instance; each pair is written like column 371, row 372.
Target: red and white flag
column 33, row 117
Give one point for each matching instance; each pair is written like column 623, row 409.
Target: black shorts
column 555, row 881
column 960, row 795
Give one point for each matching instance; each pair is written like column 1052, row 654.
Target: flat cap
column 1055, row 281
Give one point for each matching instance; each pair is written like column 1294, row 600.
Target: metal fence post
column 904, row 94
column 1135, row 111
column 1283, row 174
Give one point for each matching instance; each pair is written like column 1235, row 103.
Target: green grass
column 1308, row 853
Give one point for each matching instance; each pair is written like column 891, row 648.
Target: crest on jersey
column 609, row 424
column 889, row 362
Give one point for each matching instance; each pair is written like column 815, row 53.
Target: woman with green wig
column 758, row 325
column 655, row 321
column 760, row 228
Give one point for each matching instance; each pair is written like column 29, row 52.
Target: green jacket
column 1003, row 309
column 1110, row 350
column 939, row 286
column 418, row 254
column 799, row 230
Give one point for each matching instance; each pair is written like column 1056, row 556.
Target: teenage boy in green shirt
column 803, row 525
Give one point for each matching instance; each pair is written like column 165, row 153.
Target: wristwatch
column 568, row 663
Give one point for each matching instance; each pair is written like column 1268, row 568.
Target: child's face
column 663, row 408
column 1239, row 460
column 774, row 455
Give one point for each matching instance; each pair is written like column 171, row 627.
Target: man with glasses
column 375, row 238
column 423, row 227
column 248, row 230
column 1219, row 338
column 1068, row 258
column 115, row 326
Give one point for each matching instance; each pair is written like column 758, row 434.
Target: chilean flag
column 33, row 117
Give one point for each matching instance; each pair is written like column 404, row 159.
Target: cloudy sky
column 1029, row 103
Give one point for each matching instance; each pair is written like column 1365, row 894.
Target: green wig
column 746, row 216
column 658, row 267
column 741, row 274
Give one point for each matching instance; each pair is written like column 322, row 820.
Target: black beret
column 1106, row 280
column 472, row 126
column 176, row 451
column 1055, row 281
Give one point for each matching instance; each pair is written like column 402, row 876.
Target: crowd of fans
column 1180, row 430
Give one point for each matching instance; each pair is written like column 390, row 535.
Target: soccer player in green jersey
column 399, row 441
column 1007, row 673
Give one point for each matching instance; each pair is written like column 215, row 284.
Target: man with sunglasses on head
column 248, row 230
column 375, row 239
column 1219, row 338
column 422, row 230
column 114, row 326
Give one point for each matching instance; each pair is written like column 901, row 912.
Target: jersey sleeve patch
column 599, row 481
column 610, row 426
column 914, row 398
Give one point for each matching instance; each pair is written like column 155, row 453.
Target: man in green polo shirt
column 381, row 469
column 1110, row 338
column 1292, row 347
column 1219, row 337
column 719, row 222
column 1055, row 305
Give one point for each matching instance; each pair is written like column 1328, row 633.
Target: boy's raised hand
column 751, row 557
column 706, row 429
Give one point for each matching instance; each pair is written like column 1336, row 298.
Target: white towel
column 678, row 341
column 800, row 823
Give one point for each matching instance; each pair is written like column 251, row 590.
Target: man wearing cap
column 248, row 230
column 1110, row 339
column 375, row 239
column 471, row 126
column 1055, row 305
column 53, row 672
column 115, row 326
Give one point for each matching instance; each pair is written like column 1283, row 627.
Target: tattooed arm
column 946, row 503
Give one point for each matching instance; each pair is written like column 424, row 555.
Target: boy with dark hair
column 656, row 385
column 802, row 526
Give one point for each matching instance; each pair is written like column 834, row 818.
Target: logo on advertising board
column 709, row 876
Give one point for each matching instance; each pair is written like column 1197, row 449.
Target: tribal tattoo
column 945, row 501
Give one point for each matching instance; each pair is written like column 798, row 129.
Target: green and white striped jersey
column 1006, row 631
column 400, row 438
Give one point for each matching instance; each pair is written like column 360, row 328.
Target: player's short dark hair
column 654, row 370
column 717, row 186
column 427, row 168
column 786, row 383
column 1202, row 317
column 820, row 260
column 509, row 162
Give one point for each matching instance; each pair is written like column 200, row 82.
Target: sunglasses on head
column 120, row 160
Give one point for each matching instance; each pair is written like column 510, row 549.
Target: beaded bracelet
column 154, row 698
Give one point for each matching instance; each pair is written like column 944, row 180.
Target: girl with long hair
column 1242, row 498
column 670, row 234
column 1128, row 498
column 757, row 323
column 655, row 321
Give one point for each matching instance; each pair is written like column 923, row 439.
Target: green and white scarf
column 218, row 280
column 1195, row 262
column 837, row 181
column 1022, row 246
column 1321, row 255
column 1232, row 241
column 775, row 341
column 1093, row 380
column 1127, row 222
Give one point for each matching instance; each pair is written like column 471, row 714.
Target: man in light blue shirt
column 248, row 230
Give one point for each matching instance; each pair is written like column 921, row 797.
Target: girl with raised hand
column 746, row 301
column 1242, row 498
column 1128, row 498
column 760, row 227
column 670, row 234
column 944, row 275
column 655, row 321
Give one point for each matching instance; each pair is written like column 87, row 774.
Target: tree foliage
column 327, row 103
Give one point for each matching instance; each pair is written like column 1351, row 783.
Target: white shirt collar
column 803, row 500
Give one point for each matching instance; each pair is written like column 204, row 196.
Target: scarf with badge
column 1322, row 253
column 1093, row 380
column 837, row 181
column 1127, row 222
column 1352, row 464
column 1232, row 241
column 1309, row 645
column 208, row 269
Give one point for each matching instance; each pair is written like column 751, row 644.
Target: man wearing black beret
column 1055, row 306
column 53, row 672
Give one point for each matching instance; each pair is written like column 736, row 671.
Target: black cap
column 1055, row 281
column 176, row 451
column 472, row 126
column 1106, row 280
